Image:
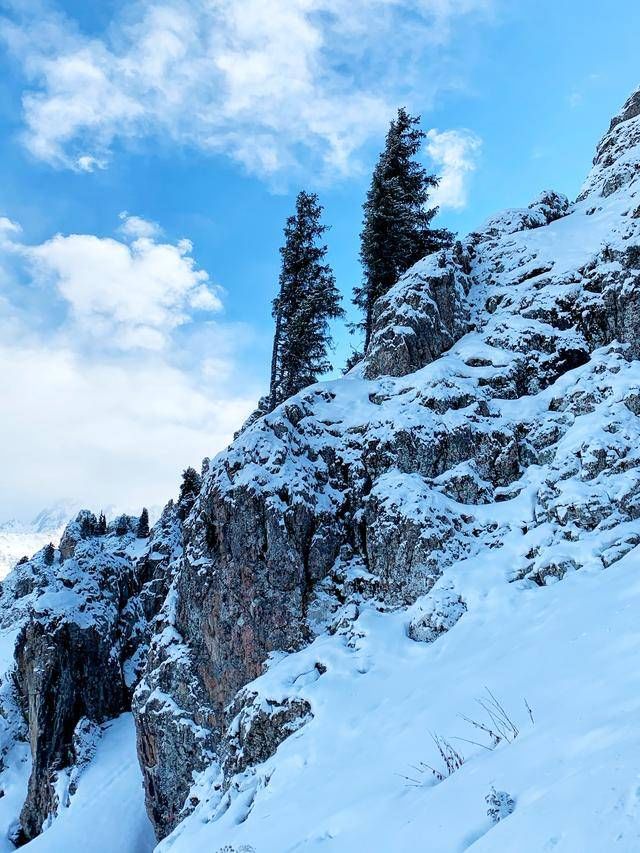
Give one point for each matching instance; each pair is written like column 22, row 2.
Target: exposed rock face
column 257, row 726
column 64, row 672
column 617, row 160
column 421, row 317
column 175, row 724
column 82, row 626
column 482, row 360
column 440, row 615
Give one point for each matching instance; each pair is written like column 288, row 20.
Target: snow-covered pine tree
column 88, row 525
column 396, row 230
column 101, row 527
column 307, row 299
column 49, row 554
column 142, row 531
column 122, row 525
column 189, row 491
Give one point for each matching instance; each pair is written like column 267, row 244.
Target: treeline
column 396, row 232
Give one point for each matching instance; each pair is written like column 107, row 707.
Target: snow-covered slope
column 493, row 486
column 354, row 777
column 401, row 613
column 106, row 813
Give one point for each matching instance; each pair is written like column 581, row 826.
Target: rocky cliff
column 79, row 620
column 369, row 486
column 493, row 424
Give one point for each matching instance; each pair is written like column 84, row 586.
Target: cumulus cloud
column 101, row 403
column 265, row 82
column 455, row 155
column 136, row 226
column 9, row 230
column 131, row 293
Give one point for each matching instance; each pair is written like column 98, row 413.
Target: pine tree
column 189, row 491
column 142, row 531
column 88, row 525
column 396, row 230
column 122, row 525
column 101, row 526
column 307, row 299
column 49, row 554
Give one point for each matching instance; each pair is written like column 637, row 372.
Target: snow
column 107, row 813
column 19, row 540
column 570, row 650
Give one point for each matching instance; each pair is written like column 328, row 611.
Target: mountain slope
column 512, row 418
column 458, row 519
column 570, row 649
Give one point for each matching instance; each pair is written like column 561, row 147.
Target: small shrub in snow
column 451, row 758
column 451, row 761
column 498, row 725
column 500, row 804
column 244, row 848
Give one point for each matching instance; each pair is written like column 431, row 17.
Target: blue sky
column 129, row 128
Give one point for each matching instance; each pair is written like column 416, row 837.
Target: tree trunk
column 274, row 361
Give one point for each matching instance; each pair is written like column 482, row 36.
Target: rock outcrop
column 378, row 476
column 82, row 627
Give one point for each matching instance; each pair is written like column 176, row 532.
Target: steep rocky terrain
column 363, row 561
column 484, row 363
column 78, row 625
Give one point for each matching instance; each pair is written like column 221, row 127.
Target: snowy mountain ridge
column 18, row 538
column 401, row 613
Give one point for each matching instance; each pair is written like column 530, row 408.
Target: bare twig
column 530, row 712
column 473, row 742
column 414, row 783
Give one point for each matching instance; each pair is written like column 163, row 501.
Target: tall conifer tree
column 142, row 531
column 189, row 491
column 396, row 229
column 307, row 299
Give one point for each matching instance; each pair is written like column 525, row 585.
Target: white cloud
column 103, row 431
column 266, row 82
column 455, row 154
column 87, row 163
column 128, row 294
column 117, row 391
column 9, row 230
column 136, row 226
